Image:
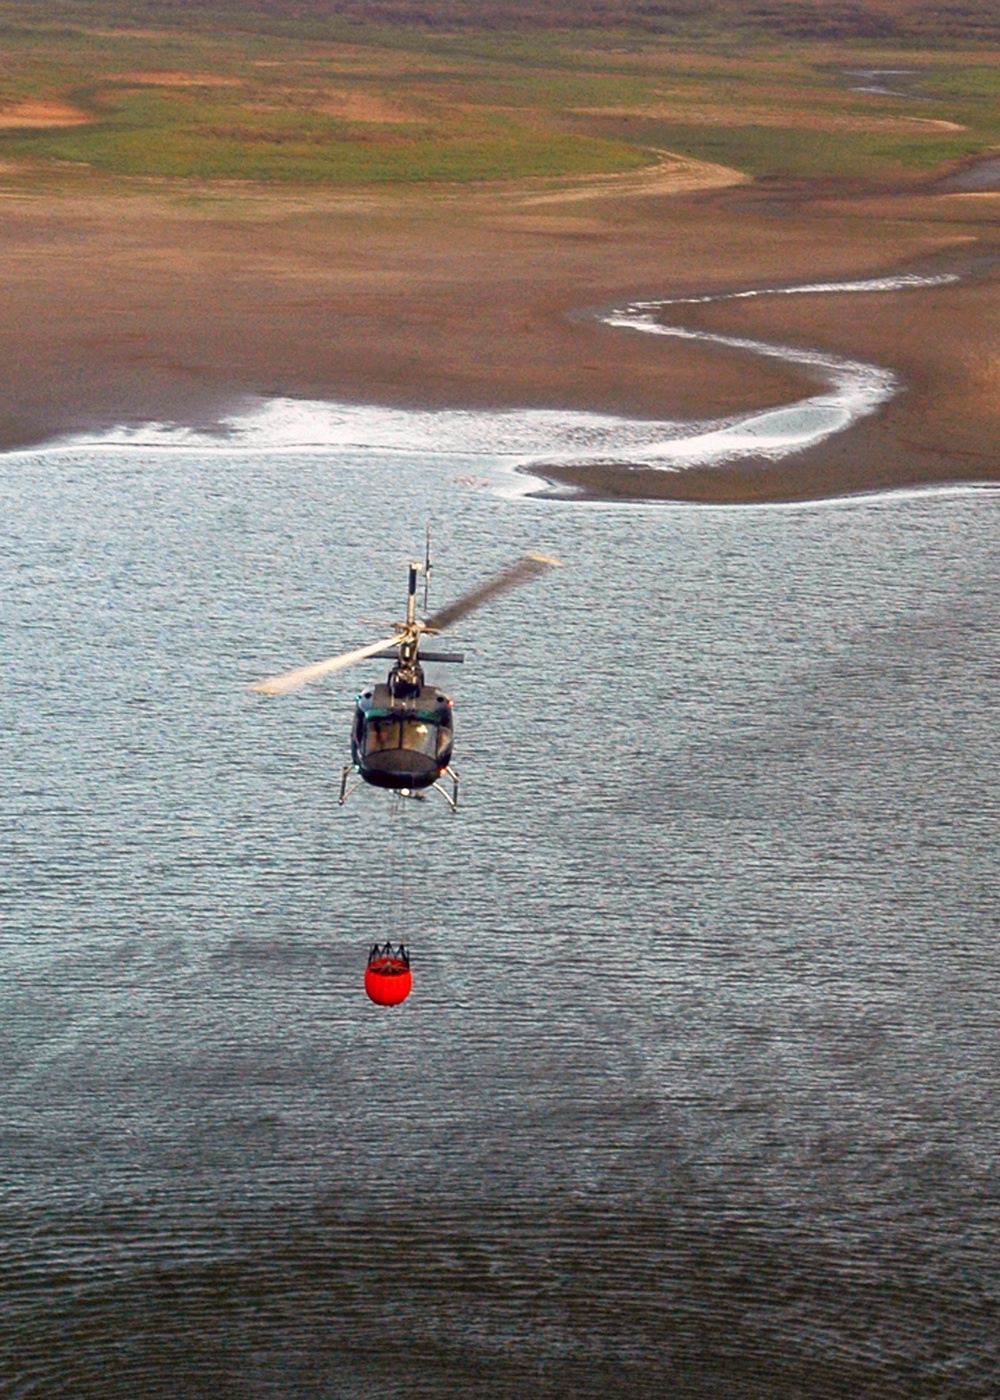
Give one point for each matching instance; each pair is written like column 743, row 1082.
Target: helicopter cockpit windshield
column 418, row 736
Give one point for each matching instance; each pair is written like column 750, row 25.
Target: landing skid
column 345, row 775
column 450, row 797
column 347, row 787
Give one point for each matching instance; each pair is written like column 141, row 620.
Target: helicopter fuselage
column 403, row 732
column 402, row 740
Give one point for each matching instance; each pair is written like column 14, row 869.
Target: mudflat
column 129, row 309
column 199, row 210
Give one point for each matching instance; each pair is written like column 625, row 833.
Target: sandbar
column 183, row 306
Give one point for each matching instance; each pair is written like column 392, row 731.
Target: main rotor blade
column 292, row 680
column 529, row 566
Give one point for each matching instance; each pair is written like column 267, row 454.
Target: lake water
column 983, row 175
column 698, row 1090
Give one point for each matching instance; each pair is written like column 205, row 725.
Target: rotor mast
column 411, row 596
column 407, row 672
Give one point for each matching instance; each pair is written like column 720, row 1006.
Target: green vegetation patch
column 300, row 93
column 159, row 136
column 774, row 152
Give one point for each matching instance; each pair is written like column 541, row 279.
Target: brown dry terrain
column 125, row 311
column 42, row 115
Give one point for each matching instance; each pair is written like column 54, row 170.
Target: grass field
column 98, row 94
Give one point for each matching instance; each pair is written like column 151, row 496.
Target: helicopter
column 403, row 731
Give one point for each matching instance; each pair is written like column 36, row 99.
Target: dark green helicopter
column 403, row 731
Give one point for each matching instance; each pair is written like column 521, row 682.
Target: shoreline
column 848, row 459
column 123, row 313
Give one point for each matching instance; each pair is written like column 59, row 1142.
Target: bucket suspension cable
column 389, row 951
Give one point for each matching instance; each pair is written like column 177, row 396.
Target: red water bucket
column 388, row 979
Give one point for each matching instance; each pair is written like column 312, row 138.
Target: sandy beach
column 153, row 307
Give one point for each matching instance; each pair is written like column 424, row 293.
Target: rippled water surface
column 697, row 1091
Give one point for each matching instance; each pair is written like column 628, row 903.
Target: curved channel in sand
column 528, row 440
column 853, row 389
column 672, row 174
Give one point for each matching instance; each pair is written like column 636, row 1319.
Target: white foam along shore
column 853, row 389
column 527, row 438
